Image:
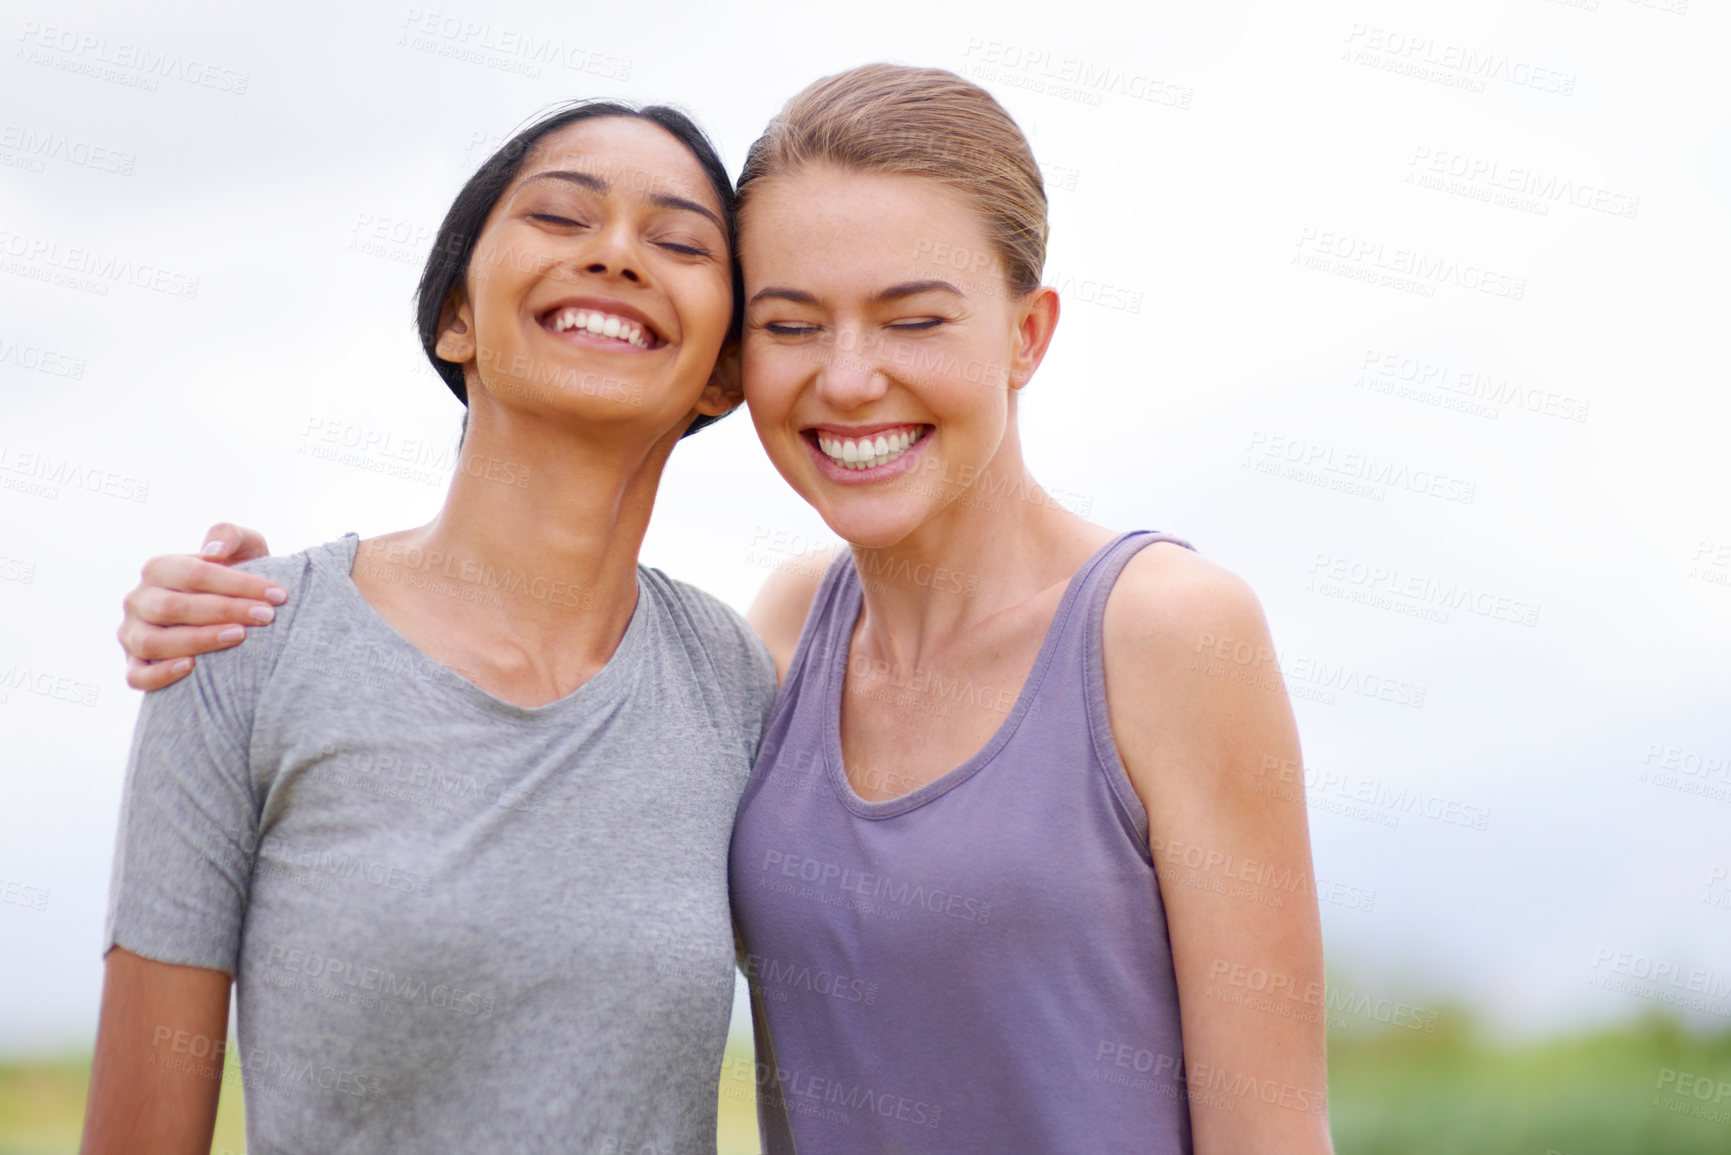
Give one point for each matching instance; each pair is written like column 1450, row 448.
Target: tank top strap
column 829, row 616
column 1079, row 654
column 1085, row 612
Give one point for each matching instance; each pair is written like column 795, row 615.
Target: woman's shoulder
column 310, row 577
column 1172, row 608
column 784, row 601
column 721, row 630
column 744, row 672
column 1194, row 693
column 295, row 571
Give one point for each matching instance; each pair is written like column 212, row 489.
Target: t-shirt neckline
column 337, row 558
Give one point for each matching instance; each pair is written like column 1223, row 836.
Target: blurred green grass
column 1396, row 1092
column 1403, row 1092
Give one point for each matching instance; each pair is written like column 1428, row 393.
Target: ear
column 456, row 341
column 726, row 387
column 1035, row 325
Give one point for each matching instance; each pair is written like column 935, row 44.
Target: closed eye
column 909, row 326
column 549, row 218
column 789, row 328
column 688, row 250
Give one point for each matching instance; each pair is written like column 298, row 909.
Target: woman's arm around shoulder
column 1202, row 722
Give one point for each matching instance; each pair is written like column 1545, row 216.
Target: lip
column 602, row 305
column 906, row 463
column 857, row 431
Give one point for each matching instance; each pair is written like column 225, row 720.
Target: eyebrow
column 599, row 185
column 913, row 289
column 882, row 296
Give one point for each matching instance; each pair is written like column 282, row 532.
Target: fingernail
column 262, row 613
column 231, row 633
column 181, row 665
column 276, row 594
column 213, row 548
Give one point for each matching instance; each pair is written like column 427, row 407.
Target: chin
column 873, row 524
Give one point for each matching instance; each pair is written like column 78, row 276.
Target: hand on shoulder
column 189, row 604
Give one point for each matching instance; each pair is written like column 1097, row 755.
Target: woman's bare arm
column 159, row 1055
column 1202, row 722
column 188, row 604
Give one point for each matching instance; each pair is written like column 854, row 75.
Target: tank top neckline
column 849, row 604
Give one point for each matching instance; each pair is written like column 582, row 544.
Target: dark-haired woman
column 439, row 825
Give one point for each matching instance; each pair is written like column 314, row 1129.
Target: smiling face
column 600, row 287
column 882, row 346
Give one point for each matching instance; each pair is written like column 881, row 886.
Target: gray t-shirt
column 455, row 924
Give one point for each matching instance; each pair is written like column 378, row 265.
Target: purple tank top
column 981, row 965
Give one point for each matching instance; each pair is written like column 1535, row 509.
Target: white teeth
column 602, row 325
column 867, row 452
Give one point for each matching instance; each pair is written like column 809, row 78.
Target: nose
column 613, row 252
column 848, row 377
column 602, row 269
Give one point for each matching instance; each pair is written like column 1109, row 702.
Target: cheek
column 706, row 311
column 499, row 258
column 765, row 374
column 495, row 280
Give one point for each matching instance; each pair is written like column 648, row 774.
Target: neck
column 1003, row 542
column 550, row 520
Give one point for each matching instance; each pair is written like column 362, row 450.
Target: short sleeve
column 189, row 813
column 744, row 670
column 748, row 672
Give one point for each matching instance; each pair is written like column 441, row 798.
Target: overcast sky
column 1413, row 314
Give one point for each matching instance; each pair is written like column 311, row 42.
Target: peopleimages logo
column 504, row 49
column 40, row 360
column 108, row 59
column 877, row 888
column 1660, row 980
column 89, row 269
column 45, row 684
column 1458, row 65
column 1415, row 594
column 799, row 976
column 1267, row 452
column 1398, row 266
column 334, row 974
column 1489, row 175
column 36, row 148
column 1068, row 77
column 1461, row 387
